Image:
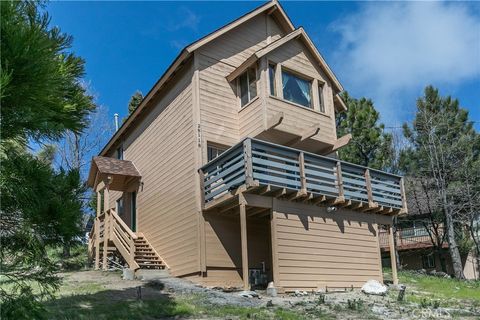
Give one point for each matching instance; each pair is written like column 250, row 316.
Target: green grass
column 444, row 288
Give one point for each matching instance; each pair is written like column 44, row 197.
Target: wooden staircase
column 145, row 256
column 109, row 231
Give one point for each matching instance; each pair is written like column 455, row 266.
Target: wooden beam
column 106, row 224
column 97, row 243
column 273, row 233
column 341, row 142
column 341, row 193
column 393, row 258
column 404, row 196
column 279, row 193
column 318, row 200
column 247, row 152
column 303, row 178
column 255, row 200
column 308, row 133
column 201, row 177
column 274, row 121
column 368, row 184
column 243, row 236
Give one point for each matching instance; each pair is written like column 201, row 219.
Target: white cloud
column 390, row 51
column 184, row 19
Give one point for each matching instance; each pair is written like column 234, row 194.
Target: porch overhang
column 120, row 174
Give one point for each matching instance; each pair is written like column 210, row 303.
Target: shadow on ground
column 125, row 303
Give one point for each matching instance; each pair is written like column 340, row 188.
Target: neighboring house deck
column 227, row 172
column 410, row 239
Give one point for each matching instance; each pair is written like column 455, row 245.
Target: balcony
column 410, row 239
column 274, row 170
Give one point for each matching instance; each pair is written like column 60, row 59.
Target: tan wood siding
column 161, row 148
column 317, row 249
column 224, row 247
column 298, row 119
column 219, row 105
column 251, row 119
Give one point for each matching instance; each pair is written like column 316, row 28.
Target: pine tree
column 370, row 146
column 41, row 96
column 443, row 144
column 135, row 101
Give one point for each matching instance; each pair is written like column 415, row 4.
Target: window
column 271, row 74
column 321, row 103
column 296, row 89
column 120, row 207
column 120, row 152
column 428, row 261
column 215, row 151
column 248, row 86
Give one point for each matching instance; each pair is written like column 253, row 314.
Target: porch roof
column 120, row 171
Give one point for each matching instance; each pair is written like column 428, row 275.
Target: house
column 422, row 244
column 227, row 175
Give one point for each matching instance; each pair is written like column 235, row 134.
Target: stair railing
column 123, row 238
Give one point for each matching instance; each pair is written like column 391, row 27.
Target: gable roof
column 296, row 34
column 269, row 7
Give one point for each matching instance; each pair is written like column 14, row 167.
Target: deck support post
column 393, row 258
column 243, row 235
column 96, row 242
column 106, row 222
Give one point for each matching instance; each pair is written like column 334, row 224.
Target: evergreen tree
column 370, row 146
column 41, row 96
column 135, row 101
column 443, row 146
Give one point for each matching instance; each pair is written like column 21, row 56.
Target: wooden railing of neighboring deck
column 254, row 161
column 410, row 238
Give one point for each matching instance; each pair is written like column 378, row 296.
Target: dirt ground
column 337, row 305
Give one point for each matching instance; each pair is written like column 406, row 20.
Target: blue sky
column 386, row 51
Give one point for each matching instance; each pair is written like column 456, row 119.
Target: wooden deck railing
column 111, row 226
column 408, row 238
column 279, row 166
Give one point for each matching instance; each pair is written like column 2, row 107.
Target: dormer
column 287, row 94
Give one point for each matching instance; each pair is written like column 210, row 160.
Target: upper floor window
column 247, row 83
column 296, row 89
column 271, row 76
column 214, row 151
column 119, row 152
column 321, row 103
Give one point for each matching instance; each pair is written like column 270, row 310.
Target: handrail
column 281, row 166
column 124, row 239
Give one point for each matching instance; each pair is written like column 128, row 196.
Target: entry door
column 133, row 213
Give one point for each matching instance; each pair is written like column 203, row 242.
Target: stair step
column 141, row 256
column 148, row 260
